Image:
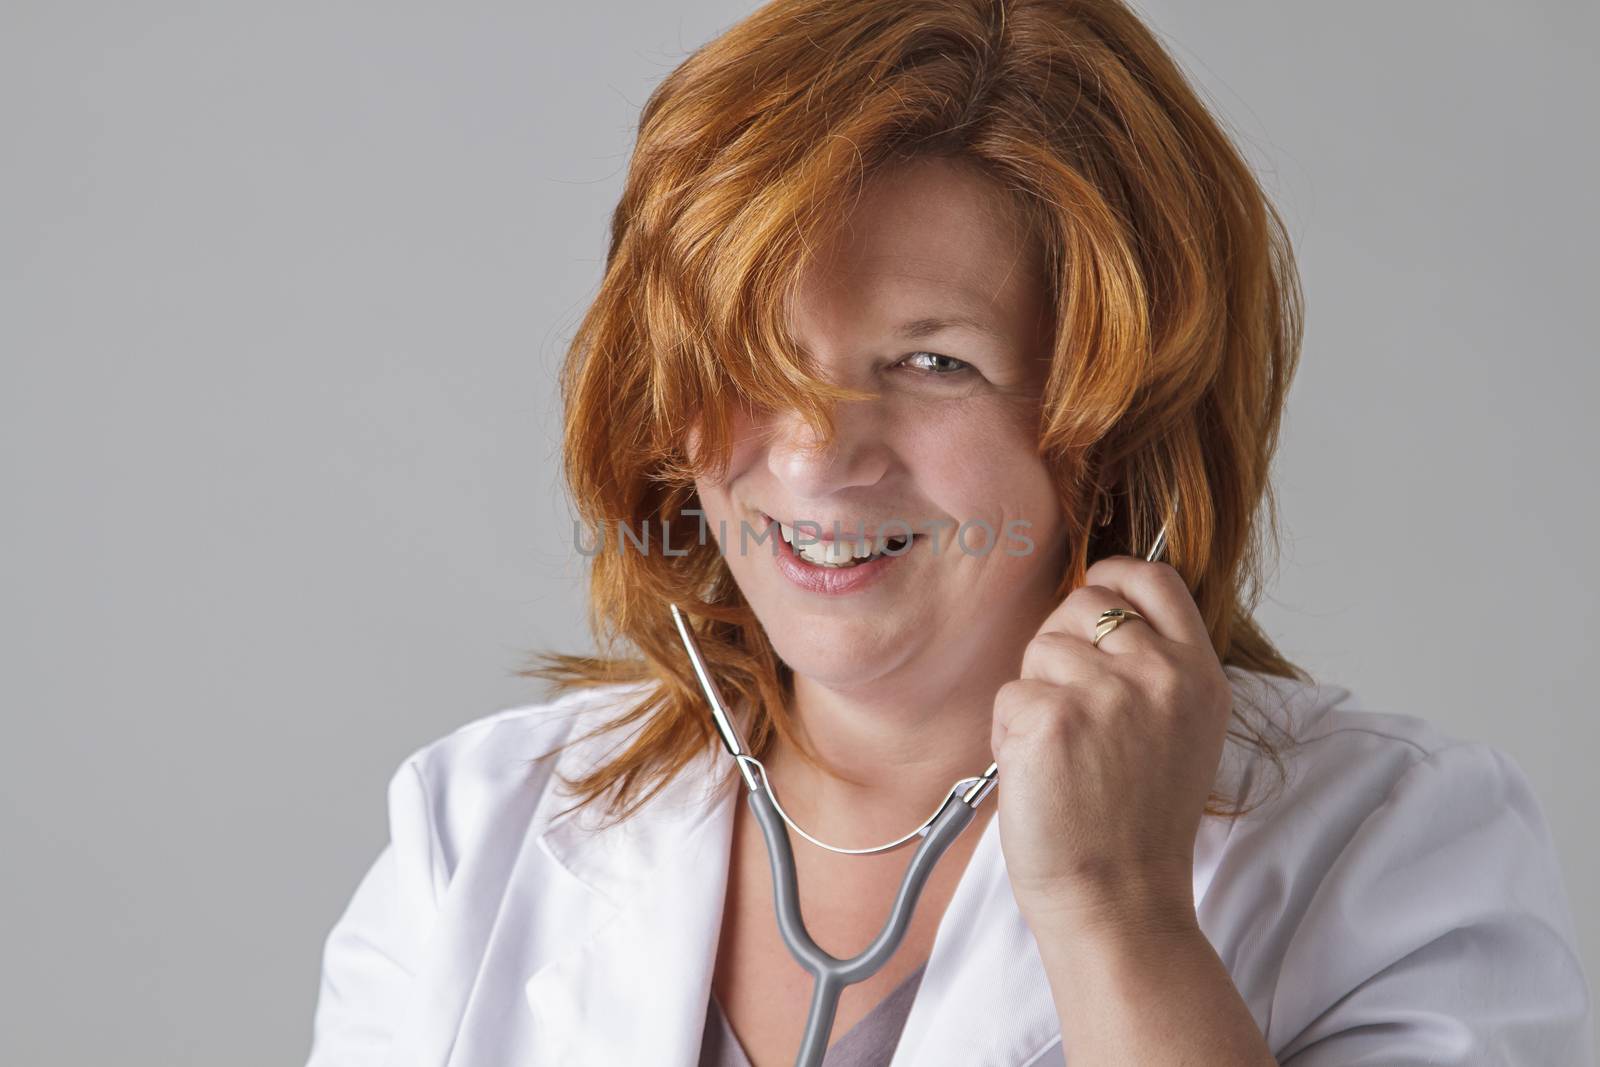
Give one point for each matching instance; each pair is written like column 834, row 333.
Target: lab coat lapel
column 984, row 991
column 647, row 898
column 983, row 995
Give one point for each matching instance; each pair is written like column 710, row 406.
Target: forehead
column 929, row 238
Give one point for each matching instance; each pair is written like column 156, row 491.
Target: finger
column 1021, row 705
column 1129, row 635
column 1061, row 657
column 1079, row 615
column 1158, row 592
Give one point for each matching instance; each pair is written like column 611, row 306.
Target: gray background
column 283, row 290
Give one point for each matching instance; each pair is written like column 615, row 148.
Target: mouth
column 837, row 553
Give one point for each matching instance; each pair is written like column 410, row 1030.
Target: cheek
column 742, row 445
column 721, row 499
column 980, row 461
column 717, row 503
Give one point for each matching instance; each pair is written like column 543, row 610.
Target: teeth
column 837, row 553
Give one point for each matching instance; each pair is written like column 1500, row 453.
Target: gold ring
column 1112, row 618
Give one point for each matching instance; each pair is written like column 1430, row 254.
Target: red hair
column 1175, row 294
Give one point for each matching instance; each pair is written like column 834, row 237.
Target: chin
column 835, row 664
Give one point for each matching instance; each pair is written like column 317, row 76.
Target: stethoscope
column 829, row 973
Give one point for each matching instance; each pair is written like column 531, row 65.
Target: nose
column 811, row 470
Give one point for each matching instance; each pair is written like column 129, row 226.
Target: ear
column 1111, row 476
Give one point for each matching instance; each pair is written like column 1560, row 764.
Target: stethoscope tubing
column 830, row 974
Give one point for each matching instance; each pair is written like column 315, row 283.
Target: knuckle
column 1039, row 651
column 1088, row 591
column 1055, row 727
column 1169, row 658
column 1048, row 651
column 1025, row 700
column 1170, row 681
column 1164, row 570
column 1119, row 689
column 1165, row 573
column 1106, row 565
column 1012, row 697
column 1150, row 576
column 1050, row 639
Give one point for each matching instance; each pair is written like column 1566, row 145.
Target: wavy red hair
column 1176, row 301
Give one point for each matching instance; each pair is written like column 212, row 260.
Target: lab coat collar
column 647, row 895
column 646, row 899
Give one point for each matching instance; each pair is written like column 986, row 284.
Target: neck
column 891, row 751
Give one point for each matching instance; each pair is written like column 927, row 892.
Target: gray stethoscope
column 830, row 974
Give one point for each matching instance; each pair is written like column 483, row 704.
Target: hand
column 1107, row 755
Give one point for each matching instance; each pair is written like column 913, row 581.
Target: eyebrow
column 925, row 327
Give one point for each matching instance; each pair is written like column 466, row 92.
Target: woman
column 984, row 286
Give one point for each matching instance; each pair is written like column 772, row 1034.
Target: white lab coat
column 1400, row 904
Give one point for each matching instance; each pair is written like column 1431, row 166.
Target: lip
column 824, row 534
column 829, row 581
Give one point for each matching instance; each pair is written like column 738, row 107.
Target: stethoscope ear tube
column 829, row 973
column 986, row 781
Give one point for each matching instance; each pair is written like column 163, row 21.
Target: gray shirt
column 869, row 1043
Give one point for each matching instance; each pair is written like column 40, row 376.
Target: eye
column 938, row 366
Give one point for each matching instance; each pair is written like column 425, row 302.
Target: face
column 946, row 447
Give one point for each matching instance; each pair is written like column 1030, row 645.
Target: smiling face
column 948, row 443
